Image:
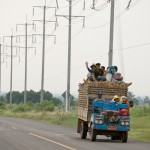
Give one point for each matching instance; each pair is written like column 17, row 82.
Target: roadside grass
column 140, row 119
column 140, row 124
column 58, row 117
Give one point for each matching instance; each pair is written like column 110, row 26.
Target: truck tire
column 113, row 138
column 124, row 137
column 116, row 137
column 92, row 134
column 83, row 130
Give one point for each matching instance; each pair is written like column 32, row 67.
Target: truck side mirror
column 131, row 103
column 90, row 102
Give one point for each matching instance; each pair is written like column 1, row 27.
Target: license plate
column 112, row 128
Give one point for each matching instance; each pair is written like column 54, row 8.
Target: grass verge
column 57, row 117
column 140, row 124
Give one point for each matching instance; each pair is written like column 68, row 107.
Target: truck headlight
column 122, row 123
column 98, row 121
column 125, row 123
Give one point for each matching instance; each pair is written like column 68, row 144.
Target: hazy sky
column 131, row 51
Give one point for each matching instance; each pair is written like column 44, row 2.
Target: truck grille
column 111, row 117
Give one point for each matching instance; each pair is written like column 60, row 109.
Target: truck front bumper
column 111, row 127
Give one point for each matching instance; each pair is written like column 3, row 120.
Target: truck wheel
column 124, row 136
column 92, row 134
column 113, row 138
column 83, row 130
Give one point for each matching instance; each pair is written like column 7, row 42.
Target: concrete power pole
column 11, row 71
column 0, row 68
column 11, row 66
column 110, row 54
column 43, row 56
column 69, row 17
column 69, row 58
column 26, row 55
column 43, row 47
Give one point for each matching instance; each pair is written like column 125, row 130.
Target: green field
column 140, row 124
column 140, row 119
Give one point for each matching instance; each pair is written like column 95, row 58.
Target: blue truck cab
column 110, row 119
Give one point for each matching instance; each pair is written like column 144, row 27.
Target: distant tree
column 146, row 101
column 135, row 101
column 32, row 96
column 56, row 101
column 48, row 95
column 73, row 101
column 16, row 97
column 3, row 99
column 131, row 97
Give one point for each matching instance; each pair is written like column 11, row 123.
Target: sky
column 91, row 43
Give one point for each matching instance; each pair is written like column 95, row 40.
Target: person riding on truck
column 91, row 70
column 116, row 99
column 124, row 100
column 98, row 73
column 99, row 97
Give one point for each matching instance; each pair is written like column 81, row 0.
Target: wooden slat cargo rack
column 88, row 92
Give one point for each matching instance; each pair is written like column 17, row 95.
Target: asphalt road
column 24, row 134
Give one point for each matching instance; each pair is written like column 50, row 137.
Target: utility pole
column 69, row 58
column 0, row 68
column 110, row 54
column 69, row 51
column 43, row 56
column 11, row 70
column 43, row 47
column 26, row 55
column 11, row 66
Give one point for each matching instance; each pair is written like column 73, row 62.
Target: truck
column 108, row 118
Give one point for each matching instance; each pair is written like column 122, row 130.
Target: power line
column 117, row 17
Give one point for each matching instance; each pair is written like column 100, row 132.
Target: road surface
column 24, row 134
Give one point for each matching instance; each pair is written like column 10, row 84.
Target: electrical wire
column 118, row 16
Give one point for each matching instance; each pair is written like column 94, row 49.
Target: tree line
column 138, row 101
column 32, row 96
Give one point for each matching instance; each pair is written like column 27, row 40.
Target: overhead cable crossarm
column 129, row 4
column 67, row 17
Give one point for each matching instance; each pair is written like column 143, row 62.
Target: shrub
column 45, row 106
column 2, row 105
column 21, row 108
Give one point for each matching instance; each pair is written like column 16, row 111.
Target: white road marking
column 14, row 128
column 52, row 141
column 62, row 136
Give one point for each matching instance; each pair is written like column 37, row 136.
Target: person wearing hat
column 99, row 97
column 116, row 99
column 124, row 100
